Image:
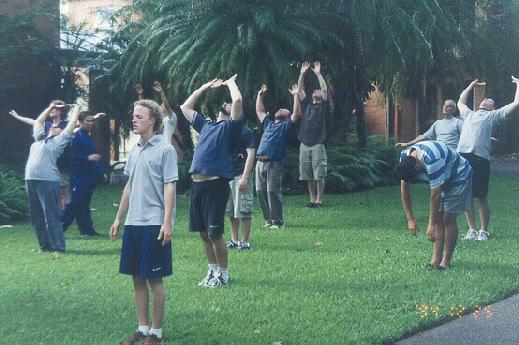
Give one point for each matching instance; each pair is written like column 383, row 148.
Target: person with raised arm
column 312, row 135
column 148, row 201
column 271, row 156
column 43, row 178
column 475, row 146
column 211, row 170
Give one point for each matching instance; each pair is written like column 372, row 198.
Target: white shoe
column 207, row 278
column 483, row 235
column 471, row 235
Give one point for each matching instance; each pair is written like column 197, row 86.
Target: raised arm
column 237, row 102
column 158, row 88
column 72, row 121
column 405, row 192
column 301, row 81
column 419, row 138
column 26, row 120
column 322, row 82
column 188, row 108
column 260, row 106
column 140, row 91
column 296, row 113
column 509, row 108
column 464, row 97
column 40, row 120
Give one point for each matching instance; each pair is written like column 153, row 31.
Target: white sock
column 157, row 332
column 144, row 329
column 225, row 272
column 213, row 267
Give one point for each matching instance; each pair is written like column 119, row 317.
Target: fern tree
column 186, row 43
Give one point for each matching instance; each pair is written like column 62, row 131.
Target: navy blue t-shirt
column 274, row 139
column 247, row 141
column 84, row 170
column 216, row 144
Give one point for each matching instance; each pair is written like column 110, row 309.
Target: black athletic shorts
column 481, row 168
column 207, row 206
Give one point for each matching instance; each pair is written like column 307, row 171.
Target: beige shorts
column 312, row 162
column 240, row 203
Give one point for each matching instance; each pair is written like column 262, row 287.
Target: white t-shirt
column 447, row 131
column 170, row 124
column 477, row 130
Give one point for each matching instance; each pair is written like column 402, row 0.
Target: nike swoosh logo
column 155, row 269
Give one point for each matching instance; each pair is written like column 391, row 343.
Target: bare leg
column 438, row 244
column 220, row 250
column 312, row 191
column 319, row 186
column 484, row 212
column 471, row 220
column 208, row 246
column 235, row 225
column 451, row 236
column 141, row 300
column 159, row 299
column 246, row 225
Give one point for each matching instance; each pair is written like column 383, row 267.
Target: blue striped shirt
column 442, row 165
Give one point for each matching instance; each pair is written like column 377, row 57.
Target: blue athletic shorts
column 143, row 255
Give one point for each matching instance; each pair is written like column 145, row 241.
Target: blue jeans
column 79, row 208
column 44, row 212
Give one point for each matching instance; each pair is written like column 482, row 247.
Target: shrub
column 13, row 200
column 349, row 168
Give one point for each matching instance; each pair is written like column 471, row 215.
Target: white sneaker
column 483, row 235
column 471, row 235
column 207, row 278
column 217, row 280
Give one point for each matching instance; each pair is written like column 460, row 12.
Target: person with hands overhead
column 42, row 180
column 312, row 135
column 271, row 156
column 211, row 170
column 449, row 177
column 475, row 146
column 148, row 200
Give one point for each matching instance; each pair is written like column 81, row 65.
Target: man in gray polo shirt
column 149, row 199
column 312, row 135
column 475, row 146
column 446, row 130
column 42, row 180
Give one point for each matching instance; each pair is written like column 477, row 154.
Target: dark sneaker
column 232, row 244
column 310, row 205
column 217, row 280
column 243, row 246
column 136, row 338
column 152, row 339
column 207, row 278
column 318, row 205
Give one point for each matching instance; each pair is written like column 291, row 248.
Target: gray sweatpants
column 269, row 176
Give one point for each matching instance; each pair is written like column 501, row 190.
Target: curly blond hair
column 155, row 111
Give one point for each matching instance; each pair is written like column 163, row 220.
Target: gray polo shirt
column 43, row 155
column 447, row 131
column 477, row 131
column 149, row 167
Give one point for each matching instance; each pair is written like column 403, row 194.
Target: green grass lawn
column 349, row 273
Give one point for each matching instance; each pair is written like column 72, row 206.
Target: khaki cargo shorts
column 313, row 162
column 240, row 202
